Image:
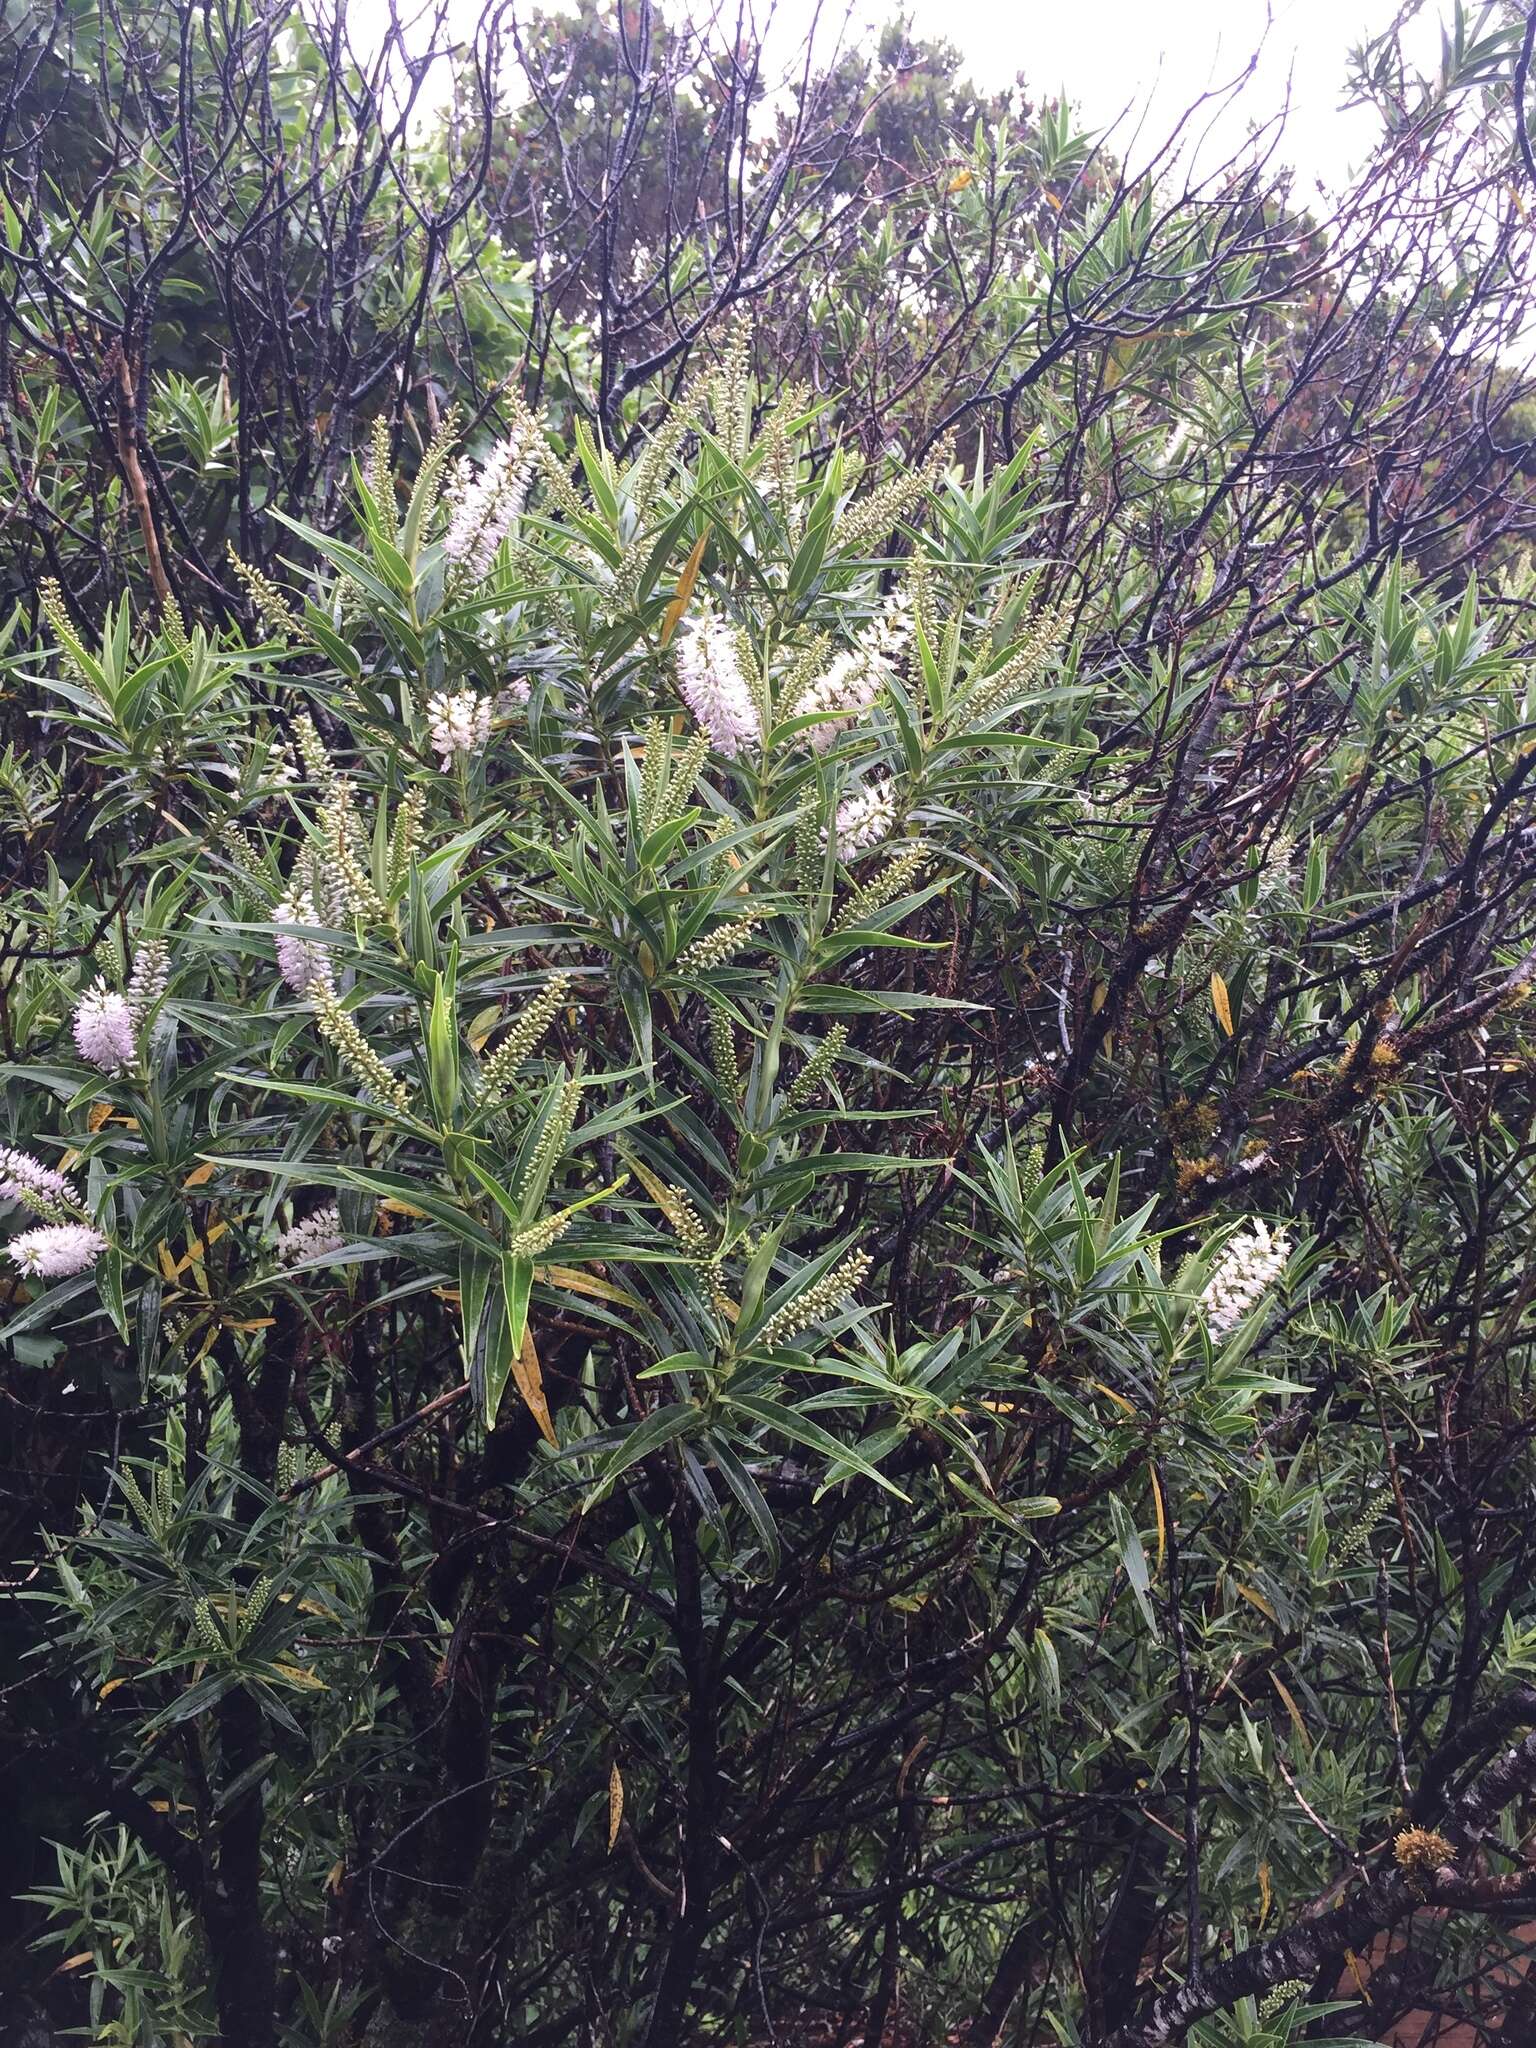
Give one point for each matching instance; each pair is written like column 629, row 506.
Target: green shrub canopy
column 767, row 1206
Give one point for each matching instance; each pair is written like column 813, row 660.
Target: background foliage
column 768, row 851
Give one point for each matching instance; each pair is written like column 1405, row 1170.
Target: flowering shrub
column 661, row 1116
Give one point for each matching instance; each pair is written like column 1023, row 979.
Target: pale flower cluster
column 857, row 675
column 303, row 964
column 865, row 819
column 103, row 1029
column 487, row 503
column 316, row 1237
column 458, row 724
column 713, row 686
column 53, row 1251
column 25, row 1179
column 1249, row 1265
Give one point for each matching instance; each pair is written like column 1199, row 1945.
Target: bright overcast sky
column 1117, row 55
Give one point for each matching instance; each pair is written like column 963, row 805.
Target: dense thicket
column 766, row 985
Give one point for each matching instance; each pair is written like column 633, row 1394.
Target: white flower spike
column 487, row 505
column 458, row 725
column 1249, row 1264
column 103, row 1029
column 303, row 964
column 866, row 818
column 25, row 1179
column 54, row 1251
column 316, row 1237
column 711, row 684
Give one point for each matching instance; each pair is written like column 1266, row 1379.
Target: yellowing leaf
column 654, row 1186
column 167, row 1264
column 1124, row 348
column 1162, row 1520
column 100, row 1112
column 334, row 1875
column 674, row 611
column 76, row 1962
column 908, row 1761
column 1264, row 1893
column 1110, row 1395
column 192, row 1261
column 481, row 1025
column 110, row 1687
column 530, row 1384
column 615, row 1805
column 575, row 1281
column 297, row 1675
column 1291, row 1708
column 200, row 1175
column 1221, row 1003
column 396, row 1207
column 959, row 181
column 1256, row 1600
column 1096, row 1002
column 1118, row 360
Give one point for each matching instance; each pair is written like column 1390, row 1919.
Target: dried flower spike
column 1420, row 1852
